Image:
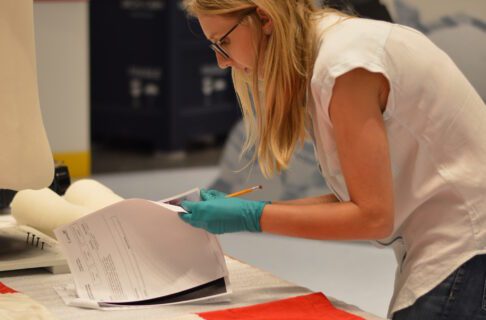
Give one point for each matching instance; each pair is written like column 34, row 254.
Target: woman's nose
column 223, row 62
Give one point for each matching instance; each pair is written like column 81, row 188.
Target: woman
column 398, row 131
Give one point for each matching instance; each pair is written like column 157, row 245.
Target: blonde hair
column 274, row 121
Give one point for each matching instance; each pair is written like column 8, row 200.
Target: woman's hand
column 222, row 215
column 211, row 194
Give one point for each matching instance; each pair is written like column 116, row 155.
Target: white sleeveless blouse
column 436, row 126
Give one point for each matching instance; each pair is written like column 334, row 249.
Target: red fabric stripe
column 5, row 289
column 313, row 306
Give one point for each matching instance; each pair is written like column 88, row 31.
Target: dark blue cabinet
column 153, row 77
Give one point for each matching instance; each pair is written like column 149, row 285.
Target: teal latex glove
column 224, row 215
column 211, row 194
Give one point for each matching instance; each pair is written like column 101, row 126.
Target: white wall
column 62, row 46
column 457, row 27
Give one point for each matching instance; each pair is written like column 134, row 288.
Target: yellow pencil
column 244, row 191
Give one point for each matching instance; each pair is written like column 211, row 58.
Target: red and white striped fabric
column 314, row 306
column 18, row 306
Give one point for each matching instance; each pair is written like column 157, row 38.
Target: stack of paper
column 139, row 252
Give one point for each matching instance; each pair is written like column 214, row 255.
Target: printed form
column 137, row 250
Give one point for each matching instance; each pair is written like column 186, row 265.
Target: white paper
column 191, row 195
column 137, row 250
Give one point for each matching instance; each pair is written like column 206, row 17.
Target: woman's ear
column 267, row 23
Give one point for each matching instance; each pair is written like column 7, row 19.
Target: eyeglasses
column 217, row 46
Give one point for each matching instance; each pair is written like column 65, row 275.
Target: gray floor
column 354, row 272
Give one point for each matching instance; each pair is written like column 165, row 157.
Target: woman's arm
column 326, row 198
column 358, row 100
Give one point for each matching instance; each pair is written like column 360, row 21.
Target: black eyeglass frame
column 216, row 46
